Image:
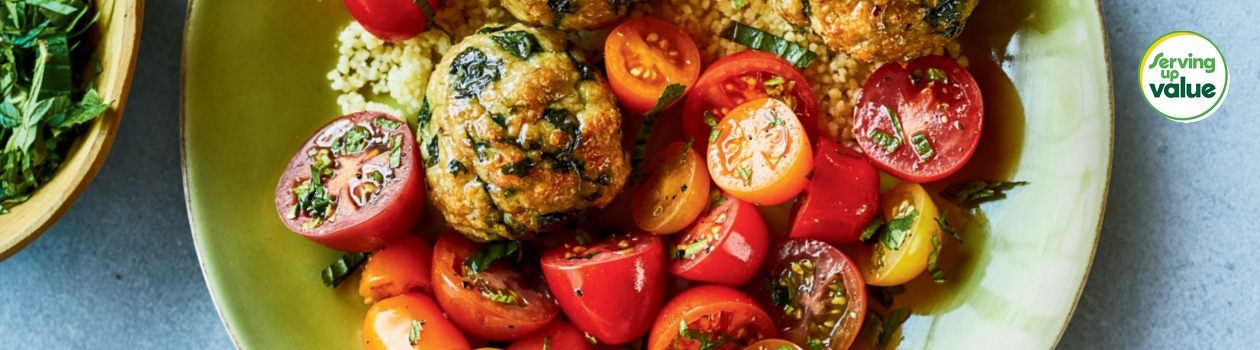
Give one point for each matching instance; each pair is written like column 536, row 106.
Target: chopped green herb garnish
column 773, row 83
column 501, row 298
column 760, row 40
column 707, row 341
column 589, row 338
column 938, row 276
column 776, row 121
column 713, row 129
column 682, row 155
column 387, row 123
column 546, row 342
column 898, row 229
column 922, row 146
column 355, row 140
column 783, row 347
column 416, row 328
column 744, row 174
column 334, row 274
column 780, row 296
column 938, row 75
column 885, row 141
column 692, row 249
column 716, row 198
column 814, row 344
column 869, row 233
column 739, row 4
column 942, row 221
column 395, row 152
column 494, row 251
column 971, row 193
column 879, row 329
column 671, row 94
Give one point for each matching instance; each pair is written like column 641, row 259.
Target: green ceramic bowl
column 254, row 89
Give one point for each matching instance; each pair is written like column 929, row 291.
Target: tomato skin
column 885, row 267
column 772, row 344
column 391, row 20
column 788, row 269
column 388, row 325
column 950, row 114
column 761, row 153
column 841, row 198
column 557, row 335
column 711, row 94
column 387, row 219
column 612, row 296
column 737, row 314
column 631, row 46
column 401, row 267
column 738, row 248
column 675, row 194
column 478, row 315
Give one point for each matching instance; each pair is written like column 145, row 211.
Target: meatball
column 880, row 30
column 518, row 135
column 569, row 15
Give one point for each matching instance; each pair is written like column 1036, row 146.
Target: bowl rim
column 107, row 123
column 219, row 308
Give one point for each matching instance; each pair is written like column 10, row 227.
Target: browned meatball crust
column 518, row 135
column 569, row 15
column 880, row 30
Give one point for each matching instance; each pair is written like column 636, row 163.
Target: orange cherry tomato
column 773, row 344
column 403, row 267
column 761, row 153
column 711, row 314
column 675, row 194
column 559, row 334
column 643, row 56
column 391, row 324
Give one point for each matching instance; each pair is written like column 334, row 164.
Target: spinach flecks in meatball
column 946, row 17
column 473, row 71
column 519, row 168
column 425, row 114
column 456, row 167
column 521, row 44
column 431, row 153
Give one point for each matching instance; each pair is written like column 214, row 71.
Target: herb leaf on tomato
column 972, row 193
column 763, row 41
column 494, row 251
column 334, row 274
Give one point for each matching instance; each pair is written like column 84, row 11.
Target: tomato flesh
column 841, row 199
column 392, row 20
column 674, row 194
column 726, row 246
column 940, row 113
column 818, row 294
column 742, row 77
column 389, row 324
column 401, row 267
column 773, row 344
column 355, row 185
column 643, row 56
column 710, row 314
column 760, row 153
column 523, row 303
column 557, row 335
column 611, row 289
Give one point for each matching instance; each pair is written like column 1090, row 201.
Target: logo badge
column 1184, row 76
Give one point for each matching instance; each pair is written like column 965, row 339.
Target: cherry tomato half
column 674, row 194
column 643, row 56
column 841, row 198
column 938, row 114
column 611, row 289
column 818, row 294
column 355, row 186
column 742, row 77
column 710, row 314
column 390, row 323
column 401, row 267
column 761, row 154
column 393, row 20
column 910, row 210
column 725, row 247
column 497, row 303
column 773, row 344
column 558, row 335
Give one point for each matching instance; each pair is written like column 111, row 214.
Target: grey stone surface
column 1175, row 266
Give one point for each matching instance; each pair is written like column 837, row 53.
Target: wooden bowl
column 117, row 38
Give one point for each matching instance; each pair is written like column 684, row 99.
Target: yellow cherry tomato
column 902, row 251
column 675, row 193
column 761, row 153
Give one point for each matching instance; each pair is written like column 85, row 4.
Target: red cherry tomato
column 401, row 267
column 643, row 56
column 390, row 323
column 498, row 303
column 369, row 191
column 710, row 314
column 818, row 294
column 557, row 335
column 773, row 344
column 742, row 77
column 726, row 246
column 939, row 111
column 393, row 20
column 611, row 289
column 841, row 198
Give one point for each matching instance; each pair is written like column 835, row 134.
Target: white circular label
column 1184, row 76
